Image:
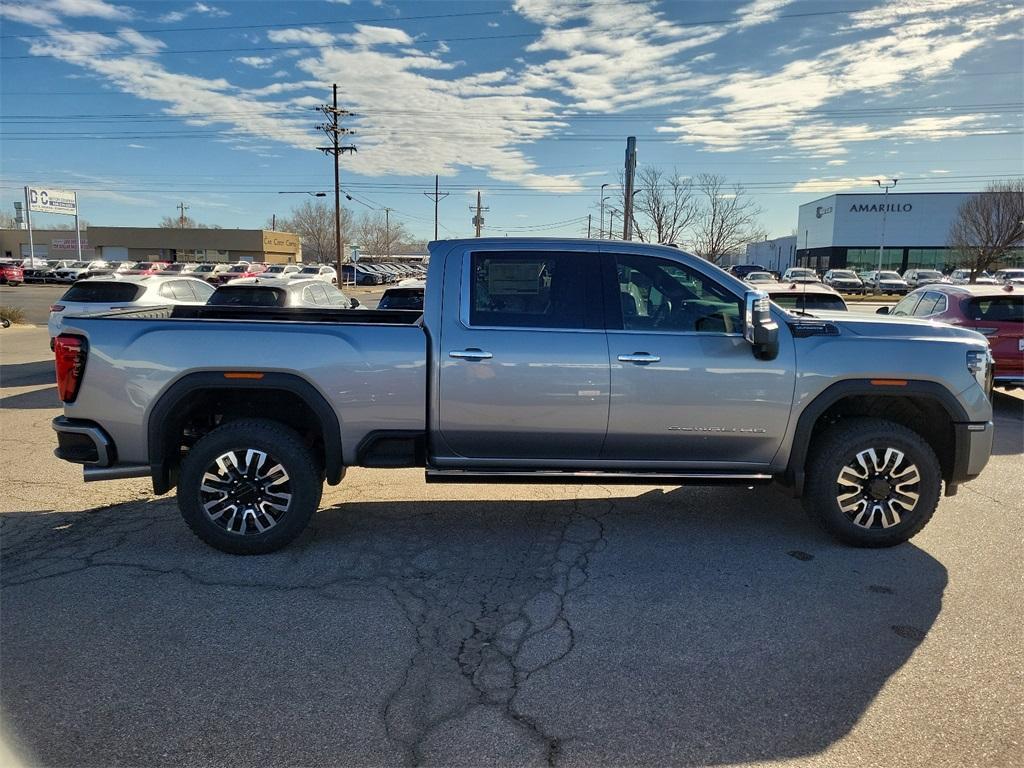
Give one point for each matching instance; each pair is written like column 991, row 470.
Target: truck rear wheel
column 871, row 482
column 249, row 487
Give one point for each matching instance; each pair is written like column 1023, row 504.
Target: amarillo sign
column 881, row 208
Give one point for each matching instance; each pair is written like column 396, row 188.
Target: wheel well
column 202, row 410
column 924, row 415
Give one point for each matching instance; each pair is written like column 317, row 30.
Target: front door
column 685, row 386
column 523, row 358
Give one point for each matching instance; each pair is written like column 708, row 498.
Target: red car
column 997, row 311
column 147, row 268
column 11, row 274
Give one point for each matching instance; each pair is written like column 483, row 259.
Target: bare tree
column 313, row 222
column 7, row 221
column 727, row 219
column 989, row 225
column 187, row 222
column 664, row 206
column 376, row 237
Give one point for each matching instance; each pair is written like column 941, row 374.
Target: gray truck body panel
column 543, row 398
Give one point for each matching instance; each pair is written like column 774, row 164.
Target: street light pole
column 885, row 213
column 600, row 231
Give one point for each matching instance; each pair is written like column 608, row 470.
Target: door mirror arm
column 759, row 328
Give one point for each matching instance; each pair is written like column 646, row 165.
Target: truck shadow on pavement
column 699, row 626
column 1008, row 415
column 27, row 374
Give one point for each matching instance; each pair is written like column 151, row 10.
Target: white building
column 847, row 231
column 776, row 255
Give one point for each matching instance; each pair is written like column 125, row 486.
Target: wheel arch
column 925, row 407
column 171, row 412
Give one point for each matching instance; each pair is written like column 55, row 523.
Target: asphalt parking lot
column 499, row 625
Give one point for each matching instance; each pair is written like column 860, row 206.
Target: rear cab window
column 247, row 296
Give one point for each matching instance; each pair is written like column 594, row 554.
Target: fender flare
column 832, row 394
column 175, row 395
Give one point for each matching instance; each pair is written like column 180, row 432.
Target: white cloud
column 493, row 24
column 200, row 9
column 257, row 62
column 138, row 146
column 302, row 36
column 835, row 184
column 96, row 8
column 367, row 35
column 36, row 15
column 141, row 43
column 760, row 12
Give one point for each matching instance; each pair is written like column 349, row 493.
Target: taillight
column 56, row 307
column 70, row 352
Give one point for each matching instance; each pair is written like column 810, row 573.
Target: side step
column 575, row 477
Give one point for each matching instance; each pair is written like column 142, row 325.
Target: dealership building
column 156, row 243
column 846, row 231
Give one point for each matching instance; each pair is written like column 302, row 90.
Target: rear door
column 685, row 385
column 523, row 361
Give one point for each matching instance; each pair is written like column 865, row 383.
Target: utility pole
column 387, row 230
column 273, row 222
column 181, row 218
column 334, row 132
column 627, row 203
column 885, row 209
column 600, row 231
column 589, row 216
column 478, row 219
column 437, row 197
column 611, row 222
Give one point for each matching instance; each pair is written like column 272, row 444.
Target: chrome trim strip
column 570, row 474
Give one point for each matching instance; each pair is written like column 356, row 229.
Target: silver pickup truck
column 536, row 360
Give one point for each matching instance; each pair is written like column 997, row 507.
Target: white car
column 917, row 277
column 887, row 282
column 756, row 279
column 963, row 277
column 316, row 272
column 800, row 275
column 258, row 292
column 81, row 269
column 1010, row 276
column 101, row 294
column 280, row 271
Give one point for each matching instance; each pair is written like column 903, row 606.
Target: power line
column 320, row 46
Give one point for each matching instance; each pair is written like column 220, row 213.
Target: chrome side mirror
column 353, row 303
column 759, row 329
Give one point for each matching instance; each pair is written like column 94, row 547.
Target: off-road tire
column 838, row 447
column 279, row 442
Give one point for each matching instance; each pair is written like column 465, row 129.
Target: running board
column 576, row 477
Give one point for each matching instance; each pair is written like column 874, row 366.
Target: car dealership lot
column 569, row 625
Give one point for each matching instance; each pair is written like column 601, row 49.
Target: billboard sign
column 52, row 201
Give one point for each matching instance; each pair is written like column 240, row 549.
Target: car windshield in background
column 760, row 277
column 844, row 274
column 402, row 298
column 205, row 268
column 273, row 270
column 247, row 296
column 79, row 265
column 239, row 268
column 88, row 292
column 996, row 309
column 808, row 302
column 310, row 271
column 889, row 276
column 144, row 265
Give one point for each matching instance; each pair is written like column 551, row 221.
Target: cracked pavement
column 419, row 624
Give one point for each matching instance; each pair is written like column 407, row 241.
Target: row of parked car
column 876, row 281
column 217, row 274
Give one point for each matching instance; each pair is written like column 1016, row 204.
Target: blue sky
column 141, row 105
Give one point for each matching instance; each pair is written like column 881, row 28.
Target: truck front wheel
column 871, row 482
column 249, row 487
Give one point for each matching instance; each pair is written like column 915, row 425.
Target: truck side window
column 527, row 290
column 929, row 304
column 662, row 295
column 907, row 304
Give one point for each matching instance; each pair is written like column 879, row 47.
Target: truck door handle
column 639, row 357
column 470, row 354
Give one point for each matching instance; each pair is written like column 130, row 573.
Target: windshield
column 801, row 273
column 929, row 273
column 889, row 276
column 239, row 269
column 204, row 268
column 273, row 270
column 310, row 271
column 760, row 277
column 808, row 302
column 144, row 265
column 80, row 265
column 845, row 274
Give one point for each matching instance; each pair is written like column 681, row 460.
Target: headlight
column 979, row 363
